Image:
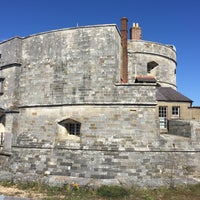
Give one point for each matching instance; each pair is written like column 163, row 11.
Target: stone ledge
column 5, row 66
column 136, row 84
column 5, row 152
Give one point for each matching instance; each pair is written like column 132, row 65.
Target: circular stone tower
column 147, row 58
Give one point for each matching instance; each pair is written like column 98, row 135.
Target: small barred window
column 73, row 127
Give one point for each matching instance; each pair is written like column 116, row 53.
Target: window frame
column 73, row 127
column 162, row 114
column 176, row 113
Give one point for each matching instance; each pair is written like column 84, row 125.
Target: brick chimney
column 124, row 67
column 135, row 32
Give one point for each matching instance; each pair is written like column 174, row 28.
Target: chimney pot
column 135, row 32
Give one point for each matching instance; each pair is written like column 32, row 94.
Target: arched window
column 73, row 127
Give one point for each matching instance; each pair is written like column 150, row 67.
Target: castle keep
column 89, row 105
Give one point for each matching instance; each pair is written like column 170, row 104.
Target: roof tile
column 169, row 94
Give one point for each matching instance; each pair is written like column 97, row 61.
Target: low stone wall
column 185, row 128
column 93, row 168
column 180, row 128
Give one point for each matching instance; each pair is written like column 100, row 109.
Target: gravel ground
column 12, row 193
column 12, row 198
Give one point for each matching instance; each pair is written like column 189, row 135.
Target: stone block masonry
column 96, row 167
column 108, row 151
column 80, row 65
column 183, row 128
column 68, row 117
column 125, row 125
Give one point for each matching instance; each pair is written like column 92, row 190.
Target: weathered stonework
column 72, row 77
column 141, row 52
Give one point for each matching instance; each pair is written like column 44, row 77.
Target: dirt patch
column 13, row 191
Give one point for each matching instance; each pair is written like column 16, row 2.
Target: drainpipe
column 124, row 66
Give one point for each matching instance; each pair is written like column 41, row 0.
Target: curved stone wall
column 163, row 56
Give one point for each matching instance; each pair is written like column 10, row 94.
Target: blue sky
column 165, row 21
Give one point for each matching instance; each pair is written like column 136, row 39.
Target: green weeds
column 112, row 191
column 37, row 190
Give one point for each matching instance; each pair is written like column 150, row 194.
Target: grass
column 75, row 192
column 112, row 191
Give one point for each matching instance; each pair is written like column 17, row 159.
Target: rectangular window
column 175, row 111
column 1, row 85
column 163, row 117
column 73, row 128
column 162, row 111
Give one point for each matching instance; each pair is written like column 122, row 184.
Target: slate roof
column 171, row 95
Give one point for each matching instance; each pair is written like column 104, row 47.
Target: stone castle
column 89, row 105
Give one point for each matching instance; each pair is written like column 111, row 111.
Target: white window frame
column 163, row 116
column 175, row 111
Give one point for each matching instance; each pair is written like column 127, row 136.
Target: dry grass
column 16, row 192
column 74, row 192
